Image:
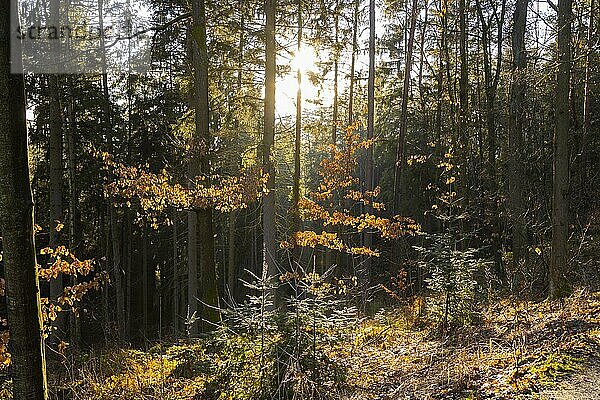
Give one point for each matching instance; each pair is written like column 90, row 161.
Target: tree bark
column 558, row 284
column 492, row 78
column 115, row 236
column 353, row 65
column 233, row 270
column 74, row 323
column 55, row 155
column 424, row 110
column 336, row 59
column 464, row 69
column 270, row 269
column 440, row 76
column 145, row 276
column 515, row 135
column 16, row 224
column 175, row 277
column 368, row 237
column 404, row 111
column 202, row 237
column 298, row 138
column 587, row 121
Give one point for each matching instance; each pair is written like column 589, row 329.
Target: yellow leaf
column 59, row 226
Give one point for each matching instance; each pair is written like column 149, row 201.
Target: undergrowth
column 519, row 348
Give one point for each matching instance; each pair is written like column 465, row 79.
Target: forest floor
column 581, row 386
column 519, row 350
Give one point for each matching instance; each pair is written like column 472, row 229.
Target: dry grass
column 518, row 349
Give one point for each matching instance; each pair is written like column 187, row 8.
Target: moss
column 556, row 366
column 544, row 373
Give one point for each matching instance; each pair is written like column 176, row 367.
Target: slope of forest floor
column 584, row 385
column 519, row 350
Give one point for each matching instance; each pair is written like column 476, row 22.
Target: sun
column 305, row 60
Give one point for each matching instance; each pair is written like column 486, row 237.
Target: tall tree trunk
column 515, row 134
column 145, row 276
column 55, row 155
column 203, row 238
column 233, row 270
column 587, row 121
column 492, row 78
column 56, row 184
column 353, row 64
column 442, row 7
column 192, row 272
column 558, row 284
column 464, row 70
column 115, row 236
column 414, row 12
column 463, row 147
column 270, row 269
column 336, row 58
column 175, row 277
column 74, row 325
column 297, row 140
column 127, row 260
column 424, row 110
column 16, row 224
column 368, row 237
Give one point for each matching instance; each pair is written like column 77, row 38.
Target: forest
column 293, row 199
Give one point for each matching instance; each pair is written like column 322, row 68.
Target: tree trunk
column 404, row 111
column 368, row 237
column 558, row 284
column 515, row 135
column 74, row 323
column 464, row 70
column 192, row 273
column 336, row 58
column 440, row 76
column 128, row 255
column 297, row 140
column 202, row 237
column 115, row 236
column 491, row 78
column 587, row 122
column 270, row 269
column 353, row 65
column 16, row 224
column 55, row 155
column 175, row 277
column 145, row 277
column 232, row 269
column 424, row 110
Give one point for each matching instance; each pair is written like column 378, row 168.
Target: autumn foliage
column 61, row 262
column 155, row 192
column 337, row 195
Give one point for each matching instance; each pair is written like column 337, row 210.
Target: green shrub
column 451, row 279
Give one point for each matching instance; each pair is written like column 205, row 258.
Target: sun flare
column 304, row 60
